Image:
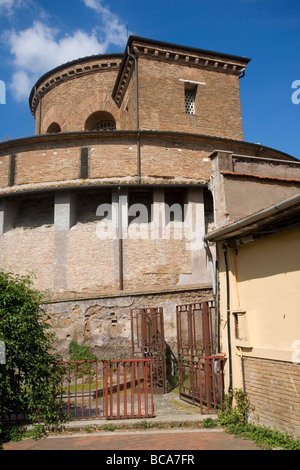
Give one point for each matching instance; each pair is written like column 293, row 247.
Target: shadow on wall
column 272, row 256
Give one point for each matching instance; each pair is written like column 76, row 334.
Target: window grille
column 190, row 95
column 105, row 126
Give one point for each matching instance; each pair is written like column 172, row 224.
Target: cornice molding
column 172, row 53
column 69, row 72
column 62, row 138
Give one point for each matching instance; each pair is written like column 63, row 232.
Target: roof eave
column 244, row 225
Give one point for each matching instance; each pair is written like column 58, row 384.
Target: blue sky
column 36, row 36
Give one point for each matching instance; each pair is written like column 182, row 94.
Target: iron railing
column 109, row 389
column 201, row 381
column 210, row 383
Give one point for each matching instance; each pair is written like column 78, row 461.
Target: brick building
column 85, row 202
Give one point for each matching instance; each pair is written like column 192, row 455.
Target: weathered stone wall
column 104, row 324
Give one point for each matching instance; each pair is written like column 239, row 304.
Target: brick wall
column 53, row 161
column 80, row 259
column 29, row 251
column 175, row 159
column 71, row 99
column 70, row 96
column 45, row 165
column 112, row 159
column 273, row 389
column 128, row 107
column 162, row 100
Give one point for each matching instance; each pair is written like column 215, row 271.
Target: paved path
column 139, row 441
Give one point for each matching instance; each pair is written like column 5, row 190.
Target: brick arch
column 54, row 114
column 94, row 103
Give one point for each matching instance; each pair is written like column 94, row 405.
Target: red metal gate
column 198, row 382
column 112, row 389
column 148, row 341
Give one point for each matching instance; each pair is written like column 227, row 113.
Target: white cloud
column 8, row 7
column 21, row 85
column 114, row 28
column 41, row 48
column 94, row 4
column 37, row 50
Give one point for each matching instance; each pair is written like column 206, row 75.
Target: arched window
column 100, row 121
column 54, row 128
column 105, row 126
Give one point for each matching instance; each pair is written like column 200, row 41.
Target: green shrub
column 28, row 378
column 209, row 423
column 80, row 352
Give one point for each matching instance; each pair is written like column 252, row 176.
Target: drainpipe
column 120, row 229
column 243, row 370
column 139, row 158
column 217, row 336
column 137, row 116
column 228, row 321
column 211, row 264
column 214, row 279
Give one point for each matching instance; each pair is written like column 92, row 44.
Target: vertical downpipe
column 120, row 231
column 137, row 115
column 228, row 321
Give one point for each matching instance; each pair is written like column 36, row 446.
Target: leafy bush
column 27, row 379
column 79, row 352
column 234, row 417
column 209, row 423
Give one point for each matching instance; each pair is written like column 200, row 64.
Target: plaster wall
column 264, row 325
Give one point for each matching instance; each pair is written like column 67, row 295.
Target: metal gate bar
column 114, row 389
column 210, row 386
column 196, row 340
column 147, row 332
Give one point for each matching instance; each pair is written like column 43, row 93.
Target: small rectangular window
column 84, row 163
column 12, row 173
column 190, row 97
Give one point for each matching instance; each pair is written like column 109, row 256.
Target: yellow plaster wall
column 265, row 295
